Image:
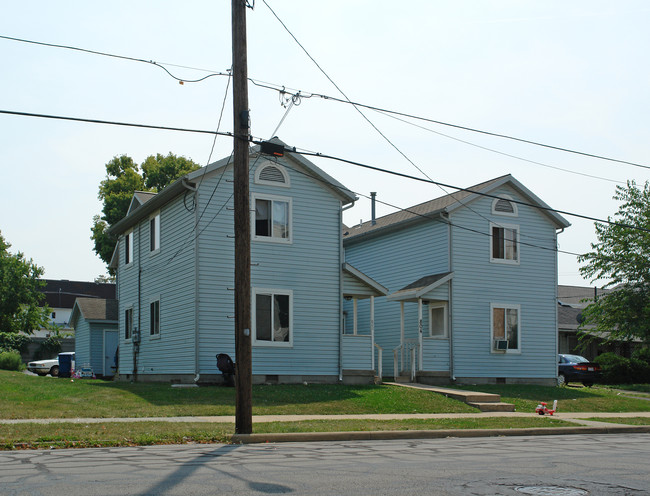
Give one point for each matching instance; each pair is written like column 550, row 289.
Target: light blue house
column 175, row 277
column 96, row 335
column 473, row 284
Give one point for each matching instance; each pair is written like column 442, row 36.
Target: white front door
column 111, row 341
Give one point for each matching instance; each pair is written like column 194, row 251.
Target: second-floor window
column 273, row 219
column 505, row 243
column 154, row 232
column 128, row 248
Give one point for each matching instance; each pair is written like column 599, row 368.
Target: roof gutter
column 152, row 205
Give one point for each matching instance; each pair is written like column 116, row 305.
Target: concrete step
column 493, row 407
column 403, row 379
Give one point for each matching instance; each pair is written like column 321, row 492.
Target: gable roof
column 94, row 309
column 149, row 202
column 139, row 199
column 449, row 203
column 373, row 288
column 421, row 287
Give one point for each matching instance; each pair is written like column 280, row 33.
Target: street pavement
column 509, row 466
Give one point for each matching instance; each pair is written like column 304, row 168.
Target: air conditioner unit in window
column 501, row 345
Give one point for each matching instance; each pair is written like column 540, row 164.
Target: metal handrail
column 380, row 351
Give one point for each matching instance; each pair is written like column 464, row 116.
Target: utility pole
column 241, row 132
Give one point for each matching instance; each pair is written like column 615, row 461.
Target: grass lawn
column 65, row 435
column 623, row 420
column 641, row 388
column 569, row 399
column 25, row 396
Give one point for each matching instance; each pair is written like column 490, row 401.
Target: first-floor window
column 154, row 318
column 128, row 323
column 505, row 325
column 438, row 320
column 272, row 316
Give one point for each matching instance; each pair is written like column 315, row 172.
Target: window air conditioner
column 501, row 344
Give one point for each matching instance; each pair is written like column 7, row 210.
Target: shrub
column 14, row 341
column 50, row 347
column 10, row 360
column 615, row 368
column 642, row 354
column 620, row 370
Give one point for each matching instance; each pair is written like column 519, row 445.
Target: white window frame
column 156, row 335
column 130, row 338
column 271, row 198
column 156, row 234
column 505, row 306
column 128, row 248
column 261, row 167
column 515, row 212
column 271, row 292
column 442, row 305
column 506, row 261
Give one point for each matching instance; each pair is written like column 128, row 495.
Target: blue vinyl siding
column 400, row 255
column 168, row 275
column 478, row 282
column 309, row 267
column 82, row 342
column 357, row 353
column 397, row 259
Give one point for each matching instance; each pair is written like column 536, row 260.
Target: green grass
column 623, row 420
column 67, row 435
column 641, row 388
column 570, row 399
column 25, row 396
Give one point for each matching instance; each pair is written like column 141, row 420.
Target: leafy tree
column 123, row 178
column 20, row 295
column 622, row 257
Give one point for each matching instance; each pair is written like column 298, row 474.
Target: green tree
column 123, row 178
column 622, row 258
column 20, row 295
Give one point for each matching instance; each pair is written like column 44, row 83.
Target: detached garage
column 96, row 336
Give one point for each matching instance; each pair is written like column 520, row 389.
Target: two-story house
column 175, row 277
column 472, row 278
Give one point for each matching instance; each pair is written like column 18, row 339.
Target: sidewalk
column 581, row 426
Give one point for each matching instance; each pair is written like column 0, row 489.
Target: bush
column 642, row 354
column 620, row 370
column 10, row 360
column 14, row 341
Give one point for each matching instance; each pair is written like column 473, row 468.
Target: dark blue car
column 575, row 368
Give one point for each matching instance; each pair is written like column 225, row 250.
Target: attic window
column 272, row 174
column 504, row 206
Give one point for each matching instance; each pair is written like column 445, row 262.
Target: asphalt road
column 547, row 465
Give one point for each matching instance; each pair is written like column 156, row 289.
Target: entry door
column 111, row 340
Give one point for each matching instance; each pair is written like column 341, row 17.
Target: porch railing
column 380, row 361
column 405, row 359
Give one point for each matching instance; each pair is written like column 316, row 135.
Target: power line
column 321, row 155
column 304, row 94
column 123, row 57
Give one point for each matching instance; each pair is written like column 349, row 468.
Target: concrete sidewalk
column 581, row 426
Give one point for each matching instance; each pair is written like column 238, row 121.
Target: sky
column 567, row 74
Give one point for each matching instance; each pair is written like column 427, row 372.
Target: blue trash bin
column 65, row 365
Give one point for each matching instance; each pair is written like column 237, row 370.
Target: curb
column 301, row 437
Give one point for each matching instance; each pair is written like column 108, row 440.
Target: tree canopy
column 20, row 295
column 123, row 178
column 621, row 257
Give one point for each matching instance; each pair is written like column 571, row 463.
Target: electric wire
column 303, row 94
column 325, row 156
column 388, row 114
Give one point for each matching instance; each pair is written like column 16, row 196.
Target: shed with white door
column 95, row 321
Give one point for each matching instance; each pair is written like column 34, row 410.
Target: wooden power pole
column 241, row 132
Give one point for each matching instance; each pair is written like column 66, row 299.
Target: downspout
column 136, row 346
column 194, row 189
column 341, row 262
column 450, row 313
